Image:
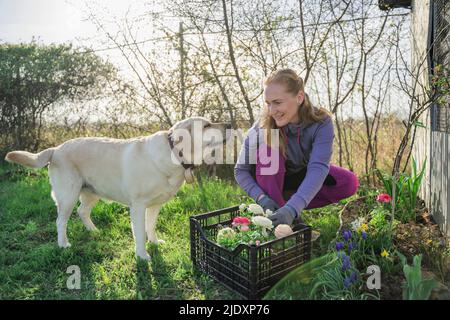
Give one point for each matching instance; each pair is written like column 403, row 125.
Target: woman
column 304, row 177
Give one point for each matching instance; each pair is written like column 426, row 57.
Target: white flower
column 242, row 207
column 263, row 222
column 268, row 213
column 357, row 224
column 282, row 230
column 225, row 233
column 256, row 209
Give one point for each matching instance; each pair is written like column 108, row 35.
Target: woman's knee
column 350, row 184
column 347, row 181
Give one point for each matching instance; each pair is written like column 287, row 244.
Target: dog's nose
column 228, row 126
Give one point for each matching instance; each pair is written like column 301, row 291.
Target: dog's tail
column 32, row 160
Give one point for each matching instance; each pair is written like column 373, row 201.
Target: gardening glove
column 267, row 203
column 284, row 215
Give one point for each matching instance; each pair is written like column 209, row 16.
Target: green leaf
column 419, row 124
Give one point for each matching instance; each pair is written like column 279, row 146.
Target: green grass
column 32, row 266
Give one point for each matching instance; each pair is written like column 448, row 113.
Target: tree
column 34, row 77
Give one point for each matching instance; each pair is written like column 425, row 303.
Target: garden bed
column 421, row 236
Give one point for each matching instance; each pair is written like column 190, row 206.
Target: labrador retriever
column 142, row 173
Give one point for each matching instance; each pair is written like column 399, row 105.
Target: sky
column 64, row 21
column 51, row 21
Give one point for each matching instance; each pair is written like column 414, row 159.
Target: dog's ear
column 183, row 124
column 179, row 129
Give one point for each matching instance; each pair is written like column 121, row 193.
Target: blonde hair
column 307, row 112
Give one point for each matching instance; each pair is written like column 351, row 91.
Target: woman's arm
column 318, row 166
column 242, row 169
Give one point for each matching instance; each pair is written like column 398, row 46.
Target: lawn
column 33, row 267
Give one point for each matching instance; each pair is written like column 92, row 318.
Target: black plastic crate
column 248, row 270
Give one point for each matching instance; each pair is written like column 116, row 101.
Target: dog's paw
column 64, row 245
column 156, row 241
column 144, row 256
column 92, row 228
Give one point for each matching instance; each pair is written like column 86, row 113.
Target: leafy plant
column 320, row 279
column 406, row 189
column 416, row 288
column 378, row 218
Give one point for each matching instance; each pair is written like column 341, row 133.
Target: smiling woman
column 304, row 178
column 287, row 103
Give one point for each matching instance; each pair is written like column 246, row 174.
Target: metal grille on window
column 441, row 56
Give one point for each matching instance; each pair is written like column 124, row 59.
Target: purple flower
column 347, row 282
column 345, row 262
column 354, row 276
column 364, row 235
column 351, row 246
column 339, row 246
column 347, row 235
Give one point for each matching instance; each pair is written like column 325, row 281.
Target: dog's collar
column 179, row 153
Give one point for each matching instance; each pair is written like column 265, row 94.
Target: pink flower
column 244, row 228
column 384, row 197
column 257, row 242
column 241, row 221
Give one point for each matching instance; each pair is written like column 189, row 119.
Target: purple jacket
column 309, row 146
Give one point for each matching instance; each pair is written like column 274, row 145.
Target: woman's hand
column 267, row 203
column 284, row 215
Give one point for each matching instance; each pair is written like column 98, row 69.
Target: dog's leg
column 66, row 186
column 151, row 214
column 64, row 212
column 87, row 202
column 138, row 226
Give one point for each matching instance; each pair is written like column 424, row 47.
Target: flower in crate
column 256, row 209
column 225, row 234
column 242, row 207
column 238, row 221
column 364, row 235
column 268, row 213
column 262, row 222
column 282, row 230
column 384, row 197
column 241, row 223
column 244, row 228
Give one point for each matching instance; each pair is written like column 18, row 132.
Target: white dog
column 140, row 173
